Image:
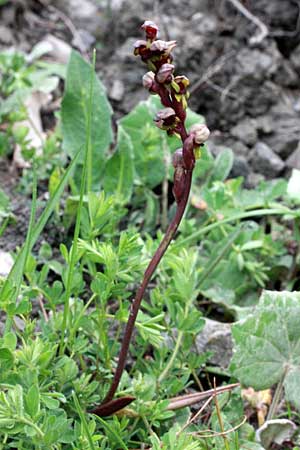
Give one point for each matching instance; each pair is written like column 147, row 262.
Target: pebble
column 266, row 161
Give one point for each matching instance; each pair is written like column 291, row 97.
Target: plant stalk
column 170, row 233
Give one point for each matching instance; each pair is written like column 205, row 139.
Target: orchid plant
column 173, row 93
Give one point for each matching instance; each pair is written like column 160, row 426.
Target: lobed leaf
column 267, row 344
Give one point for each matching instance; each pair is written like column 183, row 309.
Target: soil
column 245, row 84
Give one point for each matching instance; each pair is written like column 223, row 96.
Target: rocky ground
column 244, row 71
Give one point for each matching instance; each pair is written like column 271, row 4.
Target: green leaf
column 147, row 141
column 119, row 170
column 223, row 165
column 267, row 344
column 6, row 359
column 32, row 401
column 74, row 113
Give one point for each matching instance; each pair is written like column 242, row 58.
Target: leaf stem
column 173, row 357
column 243, row 215
column 83, row 421
column 220, row 419
column 276, row 397
column 31, row 424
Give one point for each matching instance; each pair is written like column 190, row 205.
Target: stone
column 295, row 59
column 85, row 16
column 6, row 263
column 216, row 338
column 124, row 52
column 286, row 75
column 257, row 64
column 240, row 167
column 117, row 91
column 253, row 180
column 245, row 131
column 286, row 125
column 265, row 161
column 293, row 161
column 83, row 40
column 238, row 147
column 264, row 124
column 6, row 35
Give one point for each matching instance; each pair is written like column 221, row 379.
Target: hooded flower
column 166, row 119
column 201, row 133
column 150, row 29
column 165, row 73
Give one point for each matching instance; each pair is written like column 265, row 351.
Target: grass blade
column 16, row 272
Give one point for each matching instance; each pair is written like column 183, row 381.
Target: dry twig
column 264, row 31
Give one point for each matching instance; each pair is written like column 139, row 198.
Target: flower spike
column 157, row 54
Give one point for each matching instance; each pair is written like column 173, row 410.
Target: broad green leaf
column 75, row 107
column 267, row 345
column 119, row 169
column 223, row 165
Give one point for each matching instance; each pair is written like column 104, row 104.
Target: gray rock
column 124, row 52
column 279, row 14
column 286, row 126
column 253, row 180
column 245, row 131
column 6, row 35
column 239, row 148
column 117, row 91
column 286, row 75
column 240, row 167
column 265, row 161
column 295, row 58
column 264, row 124
column 256, row 64
column 293, row 161
column 205, row 23
column 84, row 40
column 85, row 16
column 216, row 338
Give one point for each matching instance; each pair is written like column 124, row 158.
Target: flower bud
column 160, row 47
column 177, row 158
column 140, row 48
column 179, row 181
column 150, row 29
column 148, row 79
column 165, row 118
column 200, row 132
column 164, row 75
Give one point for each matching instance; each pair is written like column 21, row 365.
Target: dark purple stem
column 170, row 233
